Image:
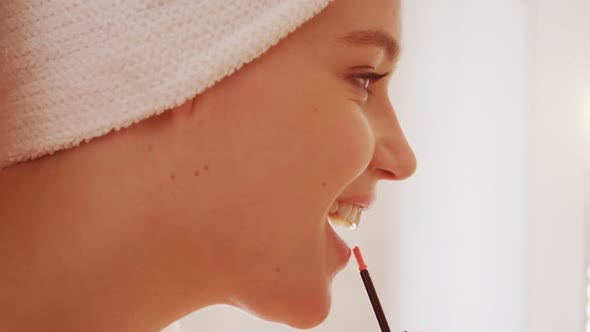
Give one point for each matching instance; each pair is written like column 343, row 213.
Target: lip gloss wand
column 371, row 290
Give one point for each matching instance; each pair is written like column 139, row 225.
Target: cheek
column 296, row 131
column 348, row 141
column 341, row 144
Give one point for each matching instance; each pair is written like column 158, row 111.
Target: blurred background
column 492, row 231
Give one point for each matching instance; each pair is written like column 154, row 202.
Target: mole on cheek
column 172, row 176
column 198, row 173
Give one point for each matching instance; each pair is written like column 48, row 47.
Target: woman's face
column 292, row 132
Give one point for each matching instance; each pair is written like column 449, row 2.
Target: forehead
column 343, row 16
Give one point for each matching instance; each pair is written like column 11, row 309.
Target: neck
column 81, row 251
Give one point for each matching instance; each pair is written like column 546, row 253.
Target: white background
column 490, row 234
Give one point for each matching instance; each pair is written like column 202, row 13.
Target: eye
column 365, row 80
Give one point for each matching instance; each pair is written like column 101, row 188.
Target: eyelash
column 370, row 78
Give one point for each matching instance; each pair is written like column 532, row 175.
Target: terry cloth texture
column 74, row 70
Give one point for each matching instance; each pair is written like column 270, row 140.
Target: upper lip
column 363, row 200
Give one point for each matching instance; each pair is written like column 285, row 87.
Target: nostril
column 398, row 169
column 385, row 174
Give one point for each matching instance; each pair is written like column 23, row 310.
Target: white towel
column 73, row 70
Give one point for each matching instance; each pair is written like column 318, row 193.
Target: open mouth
column 345, row 214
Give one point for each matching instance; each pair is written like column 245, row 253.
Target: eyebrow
column 375, row 37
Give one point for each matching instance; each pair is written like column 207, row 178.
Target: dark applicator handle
column 371, row 290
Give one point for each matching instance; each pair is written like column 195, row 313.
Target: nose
column 393, row 158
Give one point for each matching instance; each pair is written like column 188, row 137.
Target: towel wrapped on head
column 74, row 70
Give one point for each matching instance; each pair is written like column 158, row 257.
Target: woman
column 222, row 199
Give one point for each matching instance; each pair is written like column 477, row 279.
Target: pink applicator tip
column 359, row 258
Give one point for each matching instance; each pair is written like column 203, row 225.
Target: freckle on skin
column 150, row 147
column 324, row 184
column 172, row 177
column 206, row 167
column 277, row 269
column 197, row 173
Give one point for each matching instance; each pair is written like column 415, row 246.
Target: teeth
column 352, row 215
column 345, row 214
column 344, row 210
column 334, row 207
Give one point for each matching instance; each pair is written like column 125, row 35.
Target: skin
column 220, row 200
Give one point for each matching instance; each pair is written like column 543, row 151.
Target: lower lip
column 343, row 248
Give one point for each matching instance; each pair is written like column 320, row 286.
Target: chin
column 312, row 316
column 309, row 323
column 302, row 307
column 307, row 315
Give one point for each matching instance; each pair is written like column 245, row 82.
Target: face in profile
column 307, row 124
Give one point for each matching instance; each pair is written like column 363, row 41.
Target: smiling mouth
column 345, row 214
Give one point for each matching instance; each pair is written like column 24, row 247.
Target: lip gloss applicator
column 371, row 290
